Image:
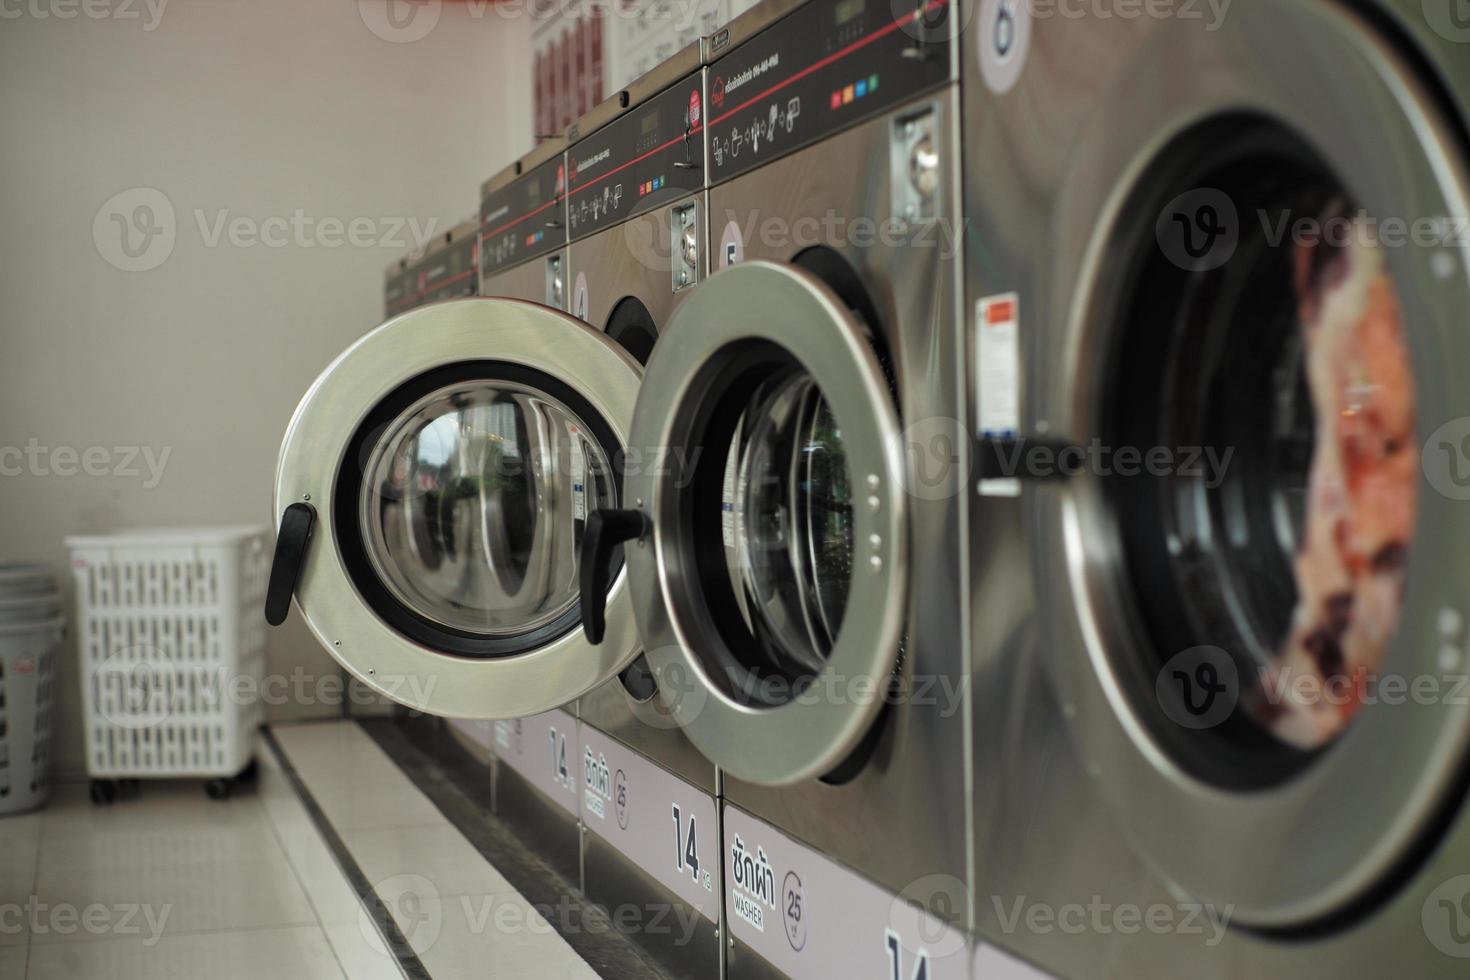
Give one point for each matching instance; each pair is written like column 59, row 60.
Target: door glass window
column 472, row 505
column 789, row 505
column 1267, row 558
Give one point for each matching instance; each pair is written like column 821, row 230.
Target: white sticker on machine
column 812, row 918
column 578, row 462
column 998, row 377
column 727, row 499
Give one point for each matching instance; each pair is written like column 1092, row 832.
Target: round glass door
column 791, row 541
column 779, row 522
column 456, row 509
column 471, row 505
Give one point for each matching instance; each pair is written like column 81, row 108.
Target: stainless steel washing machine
column 785, row 559
column 636, row 220
column 635, row 215
column 523, row 235
column 432, row 488
column 1219, row 726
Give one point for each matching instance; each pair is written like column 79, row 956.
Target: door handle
column 1003, row 457
column 290, row 556
column 606, row 529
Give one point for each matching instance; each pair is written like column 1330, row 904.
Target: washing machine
column 1220, row 724
column 439, row 473
column 782, row 553
column 635, row 217
column 523, row 232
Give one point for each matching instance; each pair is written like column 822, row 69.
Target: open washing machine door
column 765, row 495
column 432, row 490
column 1258, row 619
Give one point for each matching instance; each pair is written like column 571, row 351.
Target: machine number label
column 1005, row 40
column 894, row 946
column 686, row 850
column 559, row 757
column 539, row 749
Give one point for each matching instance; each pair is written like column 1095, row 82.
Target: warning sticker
column 998, row 377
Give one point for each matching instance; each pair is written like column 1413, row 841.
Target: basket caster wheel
column 103, row 792
column 249, row 773
column 219, row 789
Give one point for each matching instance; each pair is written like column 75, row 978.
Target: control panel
column 524, row 219
column 449, row 271
column 827, row 65
column 652, row 155
column 445, row 270
column 396, row 294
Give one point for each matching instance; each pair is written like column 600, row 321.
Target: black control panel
column 523, row 219
column 650, row 156
column 827, row 65
column 448, row 272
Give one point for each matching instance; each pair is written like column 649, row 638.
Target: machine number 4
column 895, row 960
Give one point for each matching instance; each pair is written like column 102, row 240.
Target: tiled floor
column 171, row 884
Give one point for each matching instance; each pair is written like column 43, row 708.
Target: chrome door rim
column 1314, row 848
column 804, row 738
column 316, row 441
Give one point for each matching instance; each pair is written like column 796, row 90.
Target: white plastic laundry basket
column 171, row 642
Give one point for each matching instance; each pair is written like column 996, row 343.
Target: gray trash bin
column 30, row 633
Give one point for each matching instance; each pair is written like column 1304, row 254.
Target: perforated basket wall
column 171, row 640
column 27, row 670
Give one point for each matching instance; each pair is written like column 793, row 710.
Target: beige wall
column 247, row 108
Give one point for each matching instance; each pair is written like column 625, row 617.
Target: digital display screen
column 846, row 10
column 533, row 193
column 649, row 124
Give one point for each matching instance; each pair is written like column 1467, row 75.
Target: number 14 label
column 686, row 851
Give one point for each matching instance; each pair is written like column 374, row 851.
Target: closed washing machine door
column 765, row 495
column 433, row 487
column 1256, row 583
